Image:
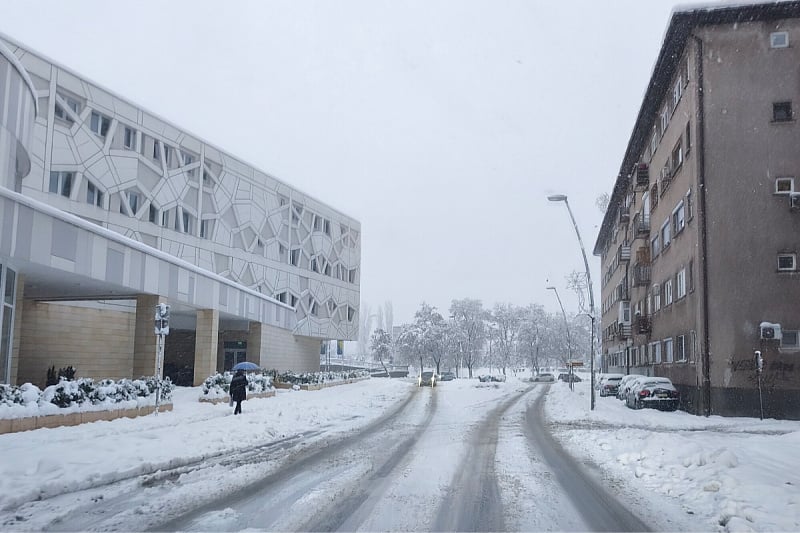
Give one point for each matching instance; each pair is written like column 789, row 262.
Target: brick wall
column 97, row 342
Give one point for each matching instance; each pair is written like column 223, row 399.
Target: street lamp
column 563, row 198
column 566, row 326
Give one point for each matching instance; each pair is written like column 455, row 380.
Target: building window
column 294, row 257
column 99, row 124
column 668, row 292
column 351, row 313
column 790, row 339
column 293, row 300
column 677, row 157
column 156, row 150
column 688, row 137
column 691, row 275
column 678, row 218
column 314, row 264
column 778, row 39
column 668, row 353
column 655, row 246
column 93, row 195
column 72, row 103
column 680, row 348
column 61, row 182
column 153, row 214
column 664, row 120
column 689, row 206
column 205, row 230
column 317, row 224
column 655, row 350
column 187, row 222
column 281, row 297
column 656, row 297
column 312, row 306
column 130, row 138
column 351, row 275
column 784, row 185
column 782, row 112
column 665, row 235
column 677, row 90
column 165, row 218
column 787, row 262
column 680, row 284
column 133, row 202
column 167, row 155
column 653, row 144
column 326, row 227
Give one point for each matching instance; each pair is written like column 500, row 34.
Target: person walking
column 238, row 390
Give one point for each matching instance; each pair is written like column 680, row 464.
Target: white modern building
column 107, row 209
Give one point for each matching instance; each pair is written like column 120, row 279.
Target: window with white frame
column 779, row 39
column 656, row 297
column 653, row 144
column 655, row 350
column 676, row 159
column 187, row 222
column 61, row 182
column 294, row 257
column 665, row 234
column 664, row 120
column 72, row 103
column 680, row 348
column 167, row 155
column 668, row 353
column 655, row 246
column 93, row 195
column 156, row 150
column 680, row 284
column 677, row 91
column 787, row 262
column 784, row 185
column 678, row 218
column 99, row 124
column 129, row 138
column 165, row 218
column 790, row 339
column 668, row 292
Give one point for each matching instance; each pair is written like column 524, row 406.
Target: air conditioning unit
column 794, row 201
column 769, row 331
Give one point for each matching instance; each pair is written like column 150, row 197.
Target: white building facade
column 110, row 209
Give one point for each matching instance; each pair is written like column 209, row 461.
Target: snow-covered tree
column 381, row 346
column 507, row 319
column 469, row 317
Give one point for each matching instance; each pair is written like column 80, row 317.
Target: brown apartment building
column 700, row 241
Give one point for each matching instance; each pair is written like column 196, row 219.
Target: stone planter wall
column 12, row 425
column 250, row 396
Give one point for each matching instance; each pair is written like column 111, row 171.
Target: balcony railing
column 623, row 253
column 623, row 331
column 641, row 275
column 641, row 324
column 641, row 175
column 641, row 224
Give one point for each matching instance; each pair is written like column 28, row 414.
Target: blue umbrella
column 246, row 365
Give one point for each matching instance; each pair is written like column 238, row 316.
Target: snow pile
column 736, row 473
column 81, row 395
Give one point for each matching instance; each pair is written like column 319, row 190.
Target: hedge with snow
column 84, row 394
column 218, row 385
column 312, row 378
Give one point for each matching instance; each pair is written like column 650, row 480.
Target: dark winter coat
column 239, row 388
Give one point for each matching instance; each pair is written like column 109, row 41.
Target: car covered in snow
column 655, row 392
column 492, row 378
column 625, row 384
column 447, row 376
column 609, row 384
column 544, row 377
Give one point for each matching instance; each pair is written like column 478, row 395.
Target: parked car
column 487, row 378
column 574, row 378
column 655, row 392
column 544, row 377
column 427, row 379
column 609, row 384
column 447, row 376
column 625, row 385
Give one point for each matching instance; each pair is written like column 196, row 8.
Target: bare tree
column 531, row 332
column 602, row 202
column 576, row 281
column 507, row 319
column 365, row 328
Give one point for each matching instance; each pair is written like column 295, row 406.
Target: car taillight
column 644, row 393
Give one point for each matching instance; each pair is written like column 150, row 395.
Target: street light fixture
column 566, row 326
column 563, row 198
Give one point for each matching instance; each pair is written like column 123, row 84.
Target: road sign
column 575, row 363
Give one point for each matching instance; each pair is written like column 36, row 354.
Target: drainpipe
column 701, row 215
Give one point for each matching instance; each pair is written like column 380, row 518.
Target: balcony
column 624, row 215
column 623, row 253
column 641, row 175
column 621, row 291
column 641, row 225
column 641, row 275
column 622, row 331
column 642, row 324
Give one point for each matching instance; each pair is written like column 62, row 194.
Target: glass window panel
column 11, row 279
column 5, row 344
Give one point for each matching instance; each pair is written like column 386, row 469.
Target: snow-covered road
column 385, row 455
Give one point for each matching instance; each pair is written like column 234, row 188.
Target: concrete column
column 17, row 330
column 145, row 342
column 257, row 344
column 205, row 345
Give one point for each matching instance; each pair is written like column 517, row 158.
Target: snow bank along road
column 464, row 456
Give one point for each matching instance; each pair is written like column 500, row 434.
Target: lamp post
column 566, row 326
column 563, row 198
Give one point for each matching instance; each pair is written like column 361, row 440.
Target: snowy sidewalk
column 731, row 474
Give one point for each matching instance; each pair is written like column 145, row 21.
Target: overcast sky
column 441, row 126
